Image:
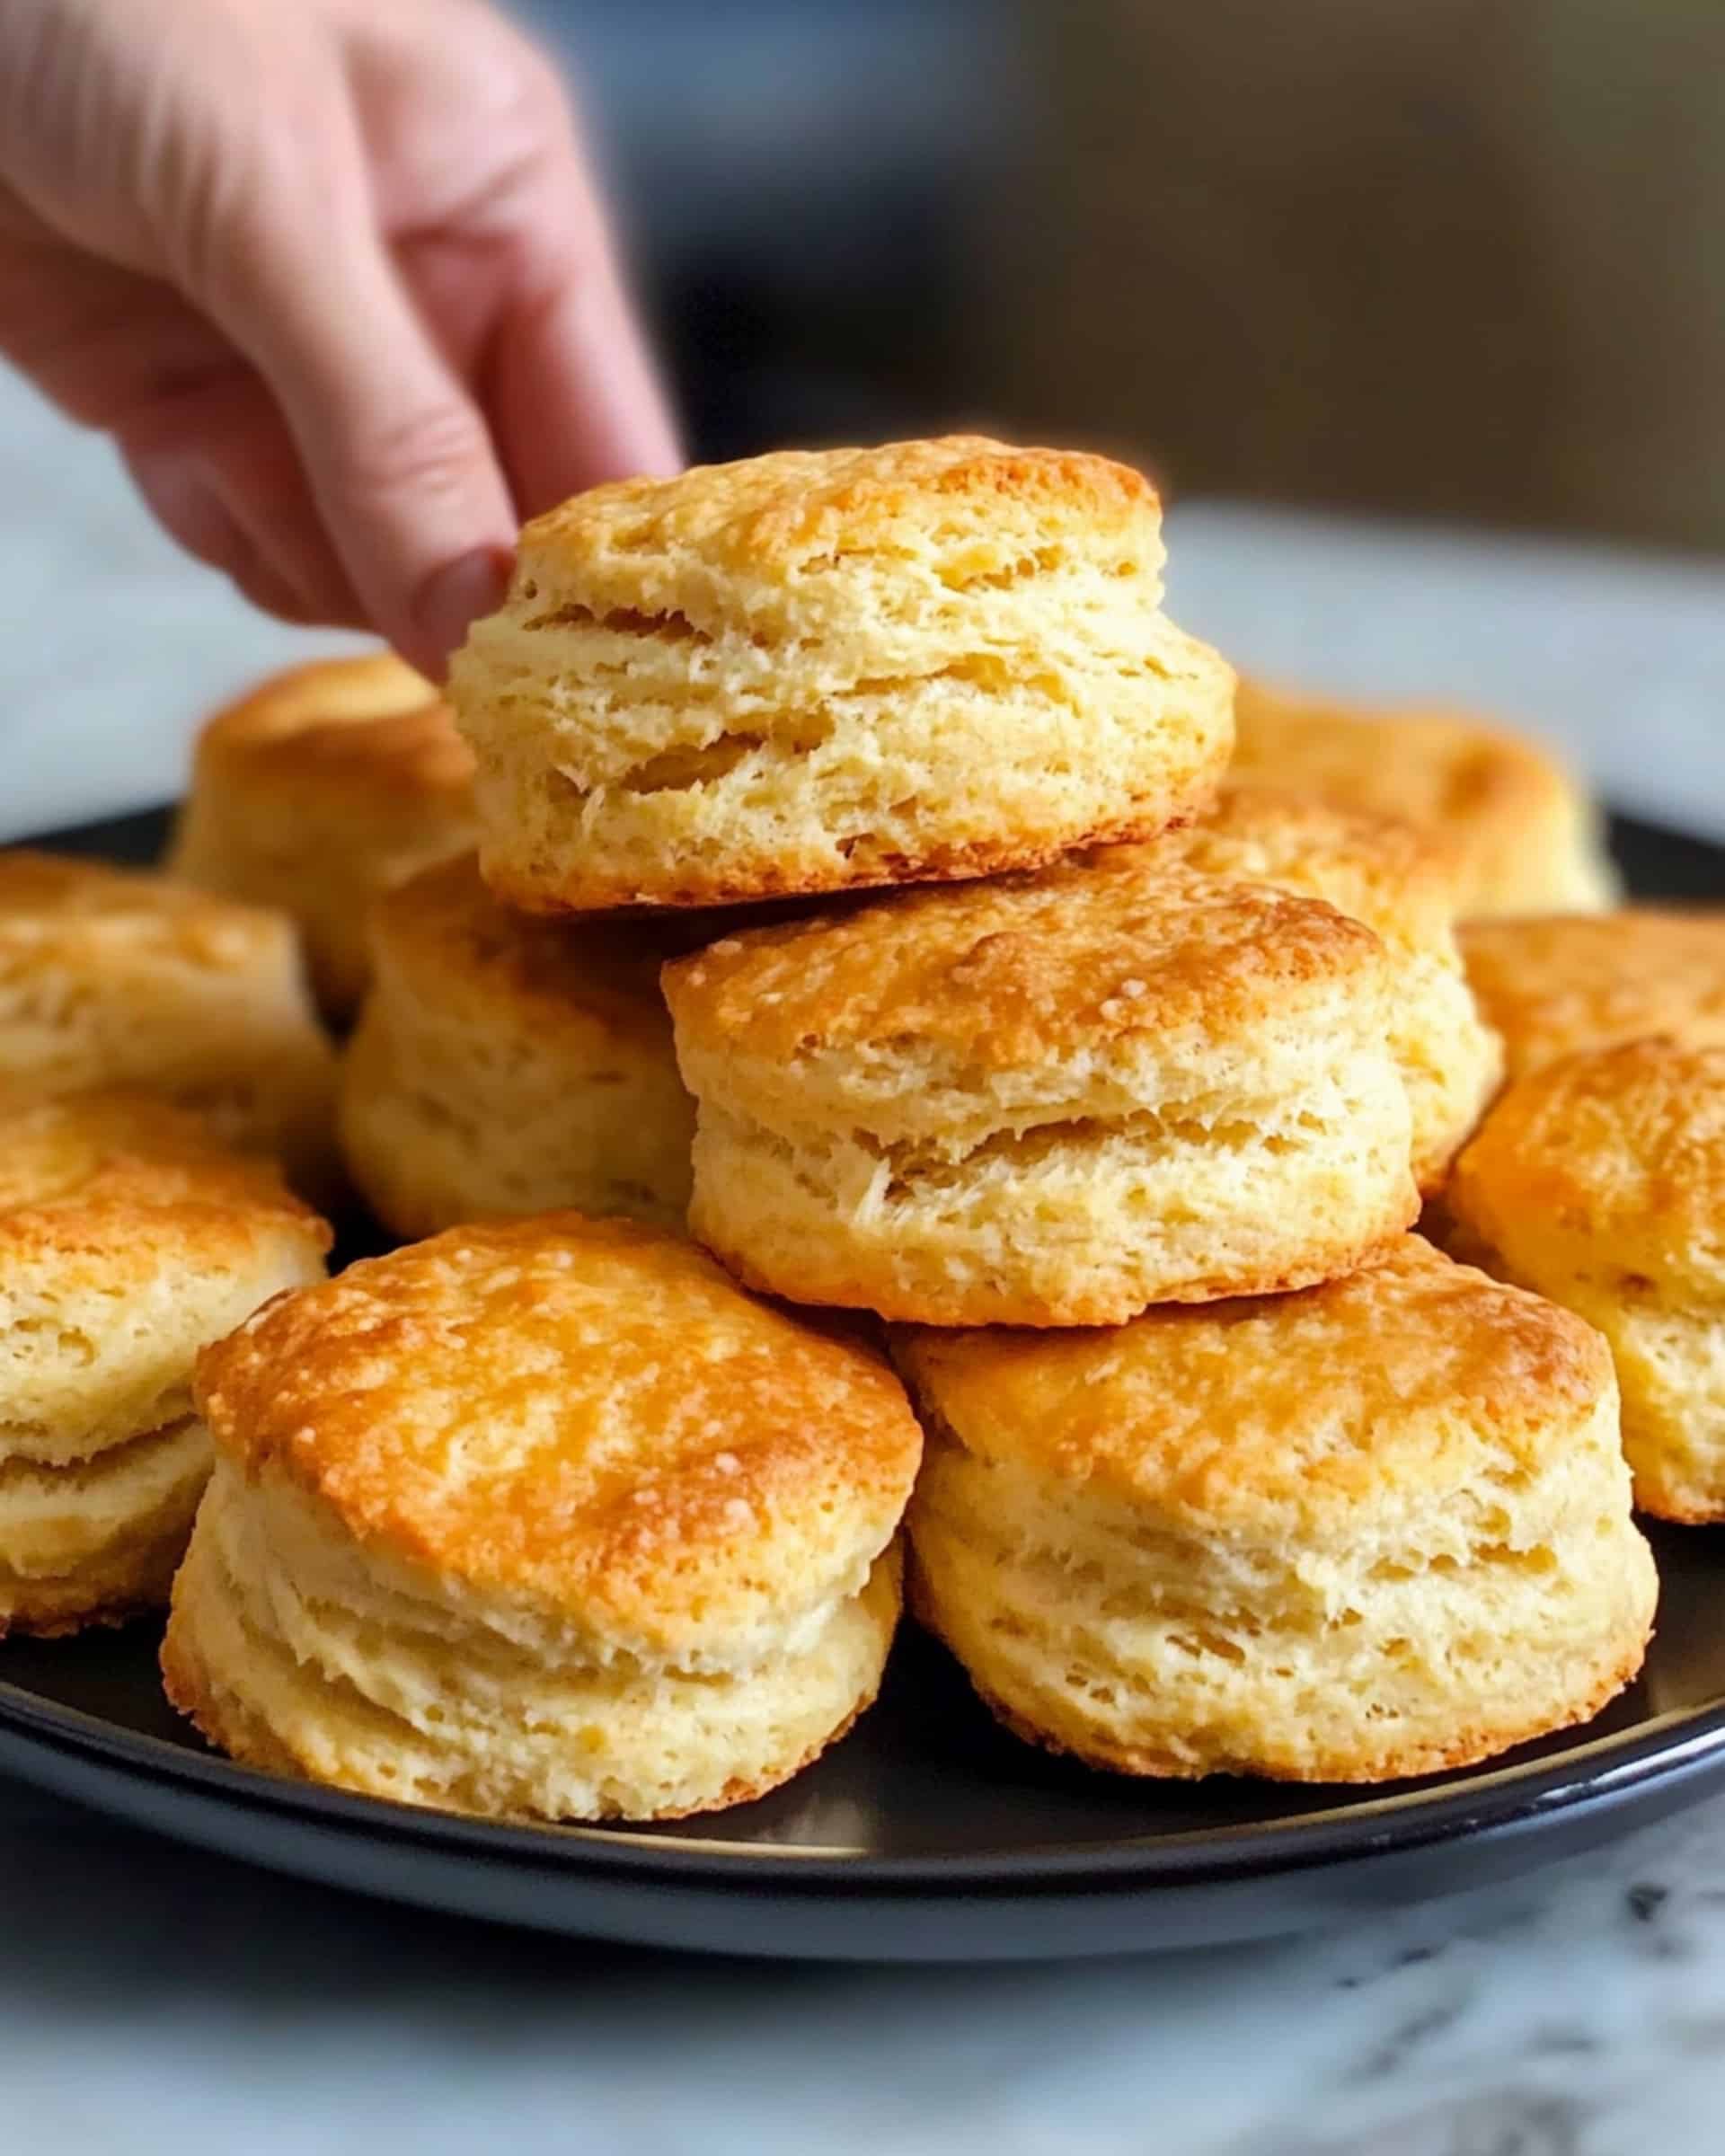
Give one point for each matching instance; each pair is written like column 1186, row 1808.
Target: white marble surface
column 153, row 2000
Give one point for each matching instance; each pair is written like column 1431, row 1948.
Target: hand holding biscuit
column 322, row 272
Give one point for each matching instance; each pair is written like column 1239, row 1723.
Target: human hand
column 335, row 277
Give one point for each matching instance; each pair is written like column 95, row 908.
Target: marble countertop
column 156, row 1999
column 153, row 1999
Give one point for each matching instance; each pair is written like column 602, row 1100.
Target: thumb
column 398, row 457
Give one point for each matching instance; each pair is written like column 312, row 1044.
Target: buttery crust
column 541, row 1519
column 823, row 670
column 1525, row 837
column 1115, row 944
column 1429, row 1374
column 322, row 786
column 1372, row 1530
column 644, row 1447
column 971, row 502
column 1554, row 983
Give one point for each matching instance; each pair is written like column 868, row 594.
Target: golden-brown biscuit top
column 58, row 903
column 1429, row 767
column 1314, row 1409
column 370, row 720
column 584, row 1415
column 1103, row 947
column 464, row 949
column 1625, row 1144
column 1405, row 881
column 1557, row 983
column 101, row 1175
column 984, row 510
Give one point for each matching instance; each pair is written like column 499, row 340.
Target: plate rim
column 1596, row 1773
column 1677, row 1753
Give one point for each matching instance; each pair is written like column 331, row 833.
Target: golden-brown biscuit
column 1599, row 1181
column 544, row 1518
column 129, row 1238
column 1526, row 835
column 816, row 670
column 1048, row 1100
column 1373, row 1530
column 1406, row 888
column 323, row 786
column 1554, row 983
column 112, row 979
column 509, row 1065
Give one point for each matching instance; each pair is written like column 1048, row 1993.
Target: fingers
column 178, row 493
column 398, row 458
column 573, row 394
column 219, row 469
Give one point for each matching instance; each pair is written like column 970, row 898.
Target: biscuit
column 541, row 1518
column 1406, row 888
column 1555, row 983
column 112, row 979
column 323, row 786
column 1048, row 1100
column 816, row 670
column 1527, row 837
column 1376, row 1529
column 509, row 1065
column 1599, row 1181
column 128, row 1239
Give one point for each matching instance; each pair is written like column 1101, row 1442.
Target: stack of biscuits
column 895, row 1106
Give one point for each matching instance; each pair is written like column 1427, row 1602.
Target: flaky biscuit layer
column 1363, row 1533
column 819, row 670
column 1049, row 1099
column 507, row 1065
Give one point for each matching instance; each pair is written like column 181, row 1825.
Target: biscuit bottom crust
column 417, row 1702
column 1466, row 1749
column 97, row 1543
column 539, row 885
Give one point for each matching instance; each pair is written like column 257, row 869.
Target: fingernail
column 457, row 594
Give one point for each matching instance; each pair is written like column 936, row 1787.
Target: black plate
column 927, row 1833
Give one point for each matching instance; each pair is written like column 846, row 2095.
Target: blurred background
column 1458, row 261
column 1415, row 308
